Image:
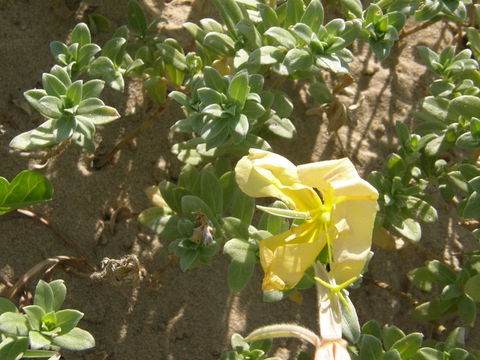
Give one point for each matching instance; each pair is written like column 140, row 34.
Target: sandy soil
column 189, row 315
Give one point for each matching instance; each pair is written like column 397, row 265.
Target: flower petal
column 337, row 178
column 352, row 244
column 286, row 256
column 333, row 350
column 330, row 311
column 354, row 207
column 265, row 174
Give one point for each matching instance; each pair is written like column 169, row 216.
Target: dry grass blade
column 44, row 266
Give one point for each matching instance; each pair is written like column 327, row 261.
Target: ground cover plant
column 244, row 82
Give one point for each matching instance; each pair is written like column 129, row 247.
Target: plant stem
column 62, row 236
column 459, row 37
column 43, row 266
column 382, row 285
column 105, row 159
column 413, row 30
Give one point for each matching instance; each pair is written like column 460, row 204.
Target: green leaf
column 243, row 207
column 390, row 335
column 240, row 126
column 472, row 288
column 294, row 12
column 298, row 60
column 235, row 228
column 187, row 259
column 427, row 353
column 74, row 92
column 230, row 12
column 92, row 88
column 113, row 49
column 451, row 291
column 281, row 37
column 220, row 43
column 75, row 340
column 209, row 96
column 391, row 355
column 353, row 6
column 239, row 275
column 371, row 327
column 350, row 324
column 370, row 348
column 313, row 16
column 50, row 107
column 214, row 80
column 7, row 306
column 44, row 296
column 409, row 228
column 38, row 340
column 34, row 316
column 67, row 320
column 211, row 191
column 269, row 16
column 81, row 34
column 53, row 86
column 238, row 88
column 172, row 56
column 467, row 310
column 421, row 209
column 408, row 345
column 282, row 127
column 472, row 207
column 136, row 17
column 433, row 310
column 164, row 225
column 466, row 105
column 456, row 338
column 13, row 324
column 265, row 55
column 95, row 111
column 248, row 30
column 156, row 89
column 27, row 188
column 244, row 257
column 58, row 50
column 13, row 349
column 86, row 54
column 422, row 278
column 396, row 165
column 442, row 272
column 41, row 137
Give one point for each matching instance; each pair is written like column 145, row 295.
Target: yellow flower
column 337, row 205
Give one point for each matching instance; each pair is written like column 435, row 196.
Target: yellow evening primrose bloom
column 337, row 205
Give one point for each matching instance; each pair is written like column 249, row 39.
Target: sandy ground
column 190, row 315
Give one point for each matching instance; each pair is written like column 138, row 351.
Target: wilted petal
column 330, row 311
column 333, row 350
column 265, row 174
column 285, row 257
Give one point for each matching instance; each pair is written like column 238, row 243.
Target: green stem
column 35, row 354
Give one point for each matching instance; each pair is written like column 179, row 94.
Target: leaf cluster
column 391, row 343
column 460, row 290
column 42, row 329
